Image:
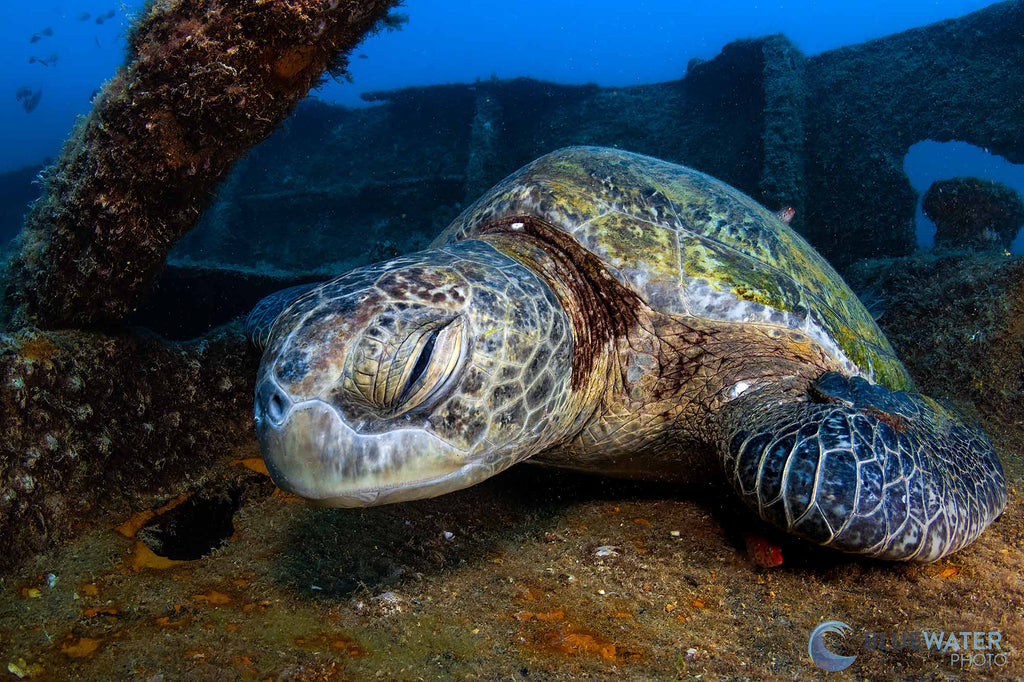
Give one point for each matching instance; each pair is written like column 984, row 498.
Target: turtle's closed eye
column 422, row 362
column 398, row 375
column 428, row 370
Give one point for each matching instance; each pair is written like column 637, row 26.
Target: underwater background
column 565, row 42
column 140, row 536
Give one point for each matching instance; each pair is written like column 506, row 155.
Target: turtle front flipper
column 862, row 469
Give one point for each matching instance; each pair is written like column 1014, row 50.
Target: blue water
column 605, row 42
column 929, row 161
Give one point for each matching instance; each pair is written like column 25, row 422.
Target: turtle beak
column 310, row 451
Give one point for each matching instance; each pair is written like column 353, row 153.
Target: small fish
column 361, row 56
column 100, row 20
column 45, row 33
column 32, row 102
column 786, row 214
column 29, row 100
column 110, row 14
column 84, row 16
column 761, row 551
column 48, row 61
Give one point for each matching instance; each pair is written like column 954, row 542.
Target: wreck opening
column 193, row 529
column 928, row 162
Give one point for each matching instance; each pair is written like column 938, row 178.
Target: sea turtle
column 606, row 311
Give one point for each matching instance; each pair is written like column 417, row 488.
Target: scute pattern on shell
column 691, row 245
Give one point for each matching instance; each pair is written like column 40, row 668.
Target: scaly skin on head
column 415, row 377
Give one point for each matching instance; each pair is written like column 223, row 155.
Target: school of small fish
column 30, row 97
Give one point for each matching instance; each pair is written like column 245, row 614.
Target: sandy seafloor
column 501, row 581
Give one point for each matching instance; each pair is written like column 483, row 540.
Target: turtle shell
column 689, row 244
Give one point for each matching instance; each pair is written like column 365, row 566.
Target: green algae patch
column 747, row 279
column 628, row 241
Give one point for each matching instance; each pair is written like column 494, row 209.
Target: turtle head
column 413, row 378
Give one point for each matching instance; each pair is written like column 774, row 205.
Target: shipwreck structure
column 826, row 135
column 101, row 416
column 100, row 422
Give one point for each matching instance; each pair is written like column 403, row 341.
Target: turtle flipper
column 260, row 320
column 863, row 469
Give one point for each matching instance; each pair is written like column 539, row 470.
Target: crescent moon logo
column 819, row 653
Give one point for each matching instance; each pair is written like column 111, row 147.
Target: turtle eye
column 421, row 363
column 393, row 376
column 428, row 370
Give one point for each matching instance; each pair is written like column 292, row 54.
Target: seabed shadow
column 337, row 553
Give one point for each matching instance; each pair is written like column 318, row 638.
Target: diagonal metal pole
column 204, row 81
